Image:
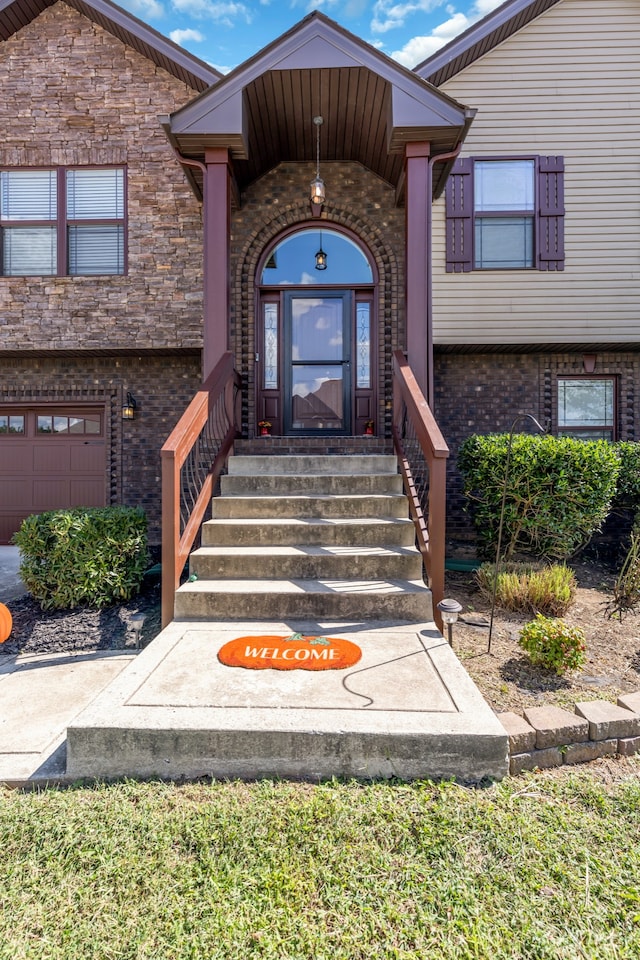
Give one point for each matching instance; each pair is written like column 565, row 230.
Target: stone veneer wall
column 484, row 392
column 72, row 94
column 162, row 387
column 357, row 200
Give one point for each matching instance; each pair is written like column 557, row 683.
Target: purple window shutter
column 459, row 208
column 550, row 213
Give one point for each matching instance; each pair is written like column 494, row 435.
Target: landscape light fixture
column 317, row 184
column 129, row 408
column 137, row 623
column 449, row 611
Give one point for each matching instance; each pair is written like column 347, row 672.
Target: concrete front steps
column 319, row 546
column 307, row 537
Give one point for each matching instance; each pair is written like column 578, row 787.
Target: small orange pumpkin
column 289, row 653
column 6, row 623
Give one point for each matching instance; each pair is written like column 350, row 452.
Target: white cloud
column 224, row 13
column 486, row 6
column 181, row 36
column 145, row 9
column 419, row 48
column 389, row 16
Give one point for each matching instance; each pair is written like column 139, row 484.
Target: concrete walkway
column 11, row 585
column 40, row 696
column 407, row 709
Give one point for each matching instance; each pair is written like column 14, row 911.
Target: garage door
column 50, row 458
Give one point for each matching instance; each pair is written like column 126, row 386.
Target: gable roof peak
column 480, row 38
column 16, row 14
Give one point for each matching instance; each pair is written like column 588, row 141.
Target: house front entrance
column 315, row 336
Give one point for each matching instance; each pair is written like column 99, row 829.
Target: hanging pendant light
column 317, row 184
column 321, row 257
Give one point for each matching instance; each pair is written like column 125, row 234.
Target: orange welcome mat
column 295, row 652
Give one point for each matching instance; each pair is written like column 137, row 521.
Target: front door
column 315, row 336
column 317, row 362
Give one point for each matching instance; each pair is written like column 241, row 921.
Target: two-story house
column 479, row 213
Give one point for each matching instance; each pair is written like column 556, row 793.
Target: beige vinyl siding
column 567, row 84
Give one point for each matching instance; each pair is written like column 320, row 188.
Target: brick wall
column 485, row 392
column 73, row 94
column 162, row 387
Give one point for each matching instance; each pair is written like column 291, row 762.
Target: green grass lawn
column 534, row 867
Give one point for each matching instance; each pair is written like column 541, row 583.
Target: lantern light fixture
column 318, row 193
column 321, row 257
column 129, row 408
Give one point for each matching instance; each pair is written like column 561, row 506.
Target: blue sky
column 226, row 33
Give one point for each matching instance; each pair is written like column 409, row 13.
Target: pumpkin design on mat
column 296, row 652
column 6, row 623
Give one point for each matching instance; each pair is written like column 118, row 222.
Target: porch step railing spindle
column 193, row 458
column 422, row 453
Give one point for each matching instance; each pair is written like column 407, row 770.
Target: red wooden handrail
column 412, row 417
column 203, row 437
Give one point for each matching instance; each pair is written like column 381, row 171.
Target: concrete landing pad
column 407, row 709
column 39, row 696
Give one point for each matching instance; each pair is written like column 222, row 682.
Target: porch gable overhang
column 262, row 112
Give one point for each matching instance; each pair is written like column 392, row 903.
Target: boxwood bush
column 85, row 556
column 559, row 492
column 627, row 498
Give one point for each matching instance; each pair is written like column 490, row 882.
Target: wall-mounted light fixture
column 321, row 257
column 129, row 408
column 318, row 193
column 449, row 611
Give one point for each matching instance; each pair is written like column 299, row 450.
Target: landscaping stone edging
column 549, row 736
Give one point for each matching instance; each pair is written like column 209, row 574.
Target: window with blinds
column 62, row 222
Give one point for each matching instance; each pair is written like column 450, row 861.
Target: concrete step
column 308, row 562
column 407, row 709
column 291, row 484
column 330, row 506
column 312, row 532
column 315, row 465
column 306, row 599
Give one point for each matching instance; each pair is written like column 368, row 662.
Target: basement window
column 587, row 408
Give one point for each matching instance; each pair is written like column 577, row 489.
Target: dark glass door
column 317, row 372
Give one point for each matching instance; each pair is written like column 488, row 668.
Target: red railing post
column 409, row 401
column 209, row 417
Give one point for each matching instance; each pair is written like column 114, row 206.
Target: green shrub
column 627, row 496
column 83, row 556
column 559, row 491
column 548, row 590
column 553, row 643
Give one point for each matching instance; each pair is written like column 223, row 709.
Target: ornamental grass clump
column 552, row 643
column 525, row 587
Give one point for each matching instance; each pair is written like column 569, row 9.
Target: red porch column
column 418, row 279
column 217, row 201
